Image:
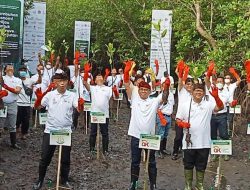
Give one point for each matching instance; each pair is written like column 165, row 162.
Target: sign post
column 120, row 98
column 87, row 108
column 60, row 138
column 149, row 142
column 98, row 117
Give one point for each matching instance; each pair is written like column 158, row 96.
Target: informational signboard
column 60, row 137
column 3, row 112
column 151, row 142
column 11, row 18
column 120, row 96
column 43, row 118
column 34, row 34
column 156, row 49
column 236, row 110
column 82, row 36
column 87, row 106
column 97, row 117
column 221, row 147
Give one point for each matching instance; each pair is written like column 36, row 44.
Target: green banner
column 11, row 18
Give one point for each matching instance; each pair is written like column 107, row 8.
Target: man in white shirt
column 143, row 116
column 13, row 85
column 23, row 103
column 194, row 116
column 100, row 96
column 65, row 101
column 113, row 79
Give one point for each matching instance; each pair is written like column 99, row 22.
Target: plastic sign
column 32, row 102
column 221, row 147
column 236, row 110
column 248, row 129
column 120, row 97
column 43, row 118
column 98, row 117
column 87, row 106
column 151, row 142
column 3, row 112
column 60, row 137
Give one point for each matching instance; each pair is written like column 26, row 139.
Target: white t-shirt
column 200, row 117
column 230, row 89
column 168, row 108
column 143, row 115
column 114, row 80
column 60, row 110
column 23, row 99
column 84, row 93
column 34, row 79
column 183, row 96
column 100, row 96
column 12, row 82
column 48, row 73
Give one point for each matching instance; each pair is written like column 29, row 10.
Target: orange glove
column 156, row 67
column 234, row 103
column 166, row 84
column 163, row 120
column 186, row 71
column 13, row 90
column 3, row 93
column 87, row 68
column 80, row 104
column 183, row 124
column 215, row 94
column 180, row 66
column 210, row 69
column 120, row 84
column 39, row 98
column 77, row 57
column 107, row 72
column 126, row 70
column 115, row 91
column 247, row 67
column 233, row 72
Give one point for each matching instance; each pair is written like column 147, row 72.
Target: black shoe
column 166, row 153
column 37, row 185
column 67, row 185
column 175, row 156
column 153, row 187
column 15, row 146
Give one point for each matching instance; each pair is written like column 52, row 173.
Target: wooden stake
column 117, row 110
column 98, row 142
column 86, row 124
column 59, row 167
column 146, row 172
column 35, row 125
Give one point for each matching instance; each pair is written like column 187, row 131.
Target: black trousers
column 23, row 118
column 196, row 158
column 47, row 154
column 178, row 139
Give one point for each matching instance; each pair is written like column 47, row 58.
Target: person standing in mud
column 65, row 101
column 143, row 116
column 13, row 85
column 194, row 117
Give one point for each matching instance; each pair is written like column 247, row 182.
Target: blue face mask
column 22, row 73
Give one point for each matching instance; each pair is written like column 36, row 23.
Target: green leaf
column 164, row 32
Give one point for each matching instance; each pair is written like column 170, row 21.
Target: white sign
column 43, row 118
column 3, row 112
column 221, row 147
column 97, row 117
column 156, row 50
column 82, row 36
column 248, row 129
column 236, row 110
column 32, row 102
column 173, row 90
column 120, row 97
column 60, row 137
column 151, row 142
column 34, row 34
column 87, row 106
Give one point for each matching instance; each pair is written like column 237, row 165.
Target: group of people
column 203, row 109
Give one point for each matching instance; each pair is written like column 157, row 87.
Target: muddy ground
column 20, row 167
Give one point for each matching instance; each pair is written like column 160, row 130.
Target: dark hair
column 220, row 77
column 137, row 77
column 199, row 86
column 189, row 80
column 22, row 68
column 62, row 76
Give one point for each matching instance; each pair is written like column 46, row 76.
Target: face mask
column 219, row 86
column 48, row 66
column 227, row 80
column 22, row 74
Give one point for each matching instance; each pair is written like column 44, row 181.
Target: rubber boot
column 152, row 174
column 13, row 140
column 92, row 141
column 199, row 180
column 134, row 178
column 188, row 179
column 160, row 152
